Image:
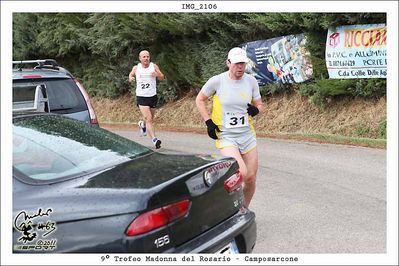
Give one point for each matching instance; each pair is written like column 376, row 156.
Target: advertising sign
column 279, row 60
column 357, row 51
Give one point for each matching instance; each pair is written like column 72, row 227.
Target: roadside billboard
column 279, row 60
column 357, row 51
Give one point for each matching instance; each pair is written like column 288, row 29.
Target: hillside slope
column 285, row 114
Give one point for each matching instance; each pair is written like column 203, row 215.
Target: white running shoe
column 143, row 129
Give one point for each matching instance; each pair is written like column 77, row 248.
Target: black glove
column 212, row 128
column 252, row 110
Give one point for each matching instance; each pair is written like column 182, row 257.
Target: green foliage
column 363, row 131
column 276, row 88
column 317, row 51
column 382, row 129
column 101, row 48
column 61, row 34
column 25, row 30
column 167, row 92
column 335, row 87
column 320, row 90
column 369, row 88
column 307, row 89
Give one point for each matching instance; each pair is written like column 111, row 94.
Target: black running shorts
column 147, row 101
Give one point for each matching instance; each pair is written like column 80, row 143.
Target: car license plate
column 230, row 248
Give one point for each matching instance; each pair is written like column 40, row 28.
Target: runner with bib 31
column 236, row 100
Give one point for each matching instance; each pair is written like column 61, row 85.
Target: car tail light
column 233, row 182
column 154, row 219
column 93, row 118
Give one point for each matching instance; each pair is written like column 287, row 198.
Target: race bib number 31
column 234, row 120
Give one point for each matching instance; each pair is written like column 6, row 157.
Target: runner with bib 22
column 146, row 74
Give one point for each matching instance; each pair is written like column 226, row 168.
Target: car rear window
column 51, row 147
column 63, row 94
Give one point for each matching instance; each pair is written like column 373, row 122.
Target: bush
column 167, row 92
column 307, row 89
column 275, row 88
column 369, row 88
column 317, row 51
column 335, row 87
column 320, row 90
column 99, row 84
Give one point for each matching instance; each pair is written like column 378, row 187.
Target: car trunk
column 164, row 179
column 142, row 185
column 210, row 203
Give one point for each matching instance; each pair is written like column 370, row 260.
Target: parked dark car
column 66, row 95
column 82, row 189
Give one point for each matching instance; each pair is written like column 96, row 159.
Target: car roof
column 43, row 73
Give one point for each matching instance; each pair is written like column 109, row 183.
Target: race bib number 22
column 144, row 85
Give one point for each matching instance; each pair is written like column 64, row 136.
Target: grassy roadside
column 310, row 137
column 350, row 122
column 332, row 139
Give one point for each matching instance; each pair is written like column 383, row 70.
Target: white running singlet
column 230, row 99
column 229, row 111
column 146, row 83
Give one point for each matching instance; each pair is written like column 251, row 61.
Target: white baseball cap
column 237, row 55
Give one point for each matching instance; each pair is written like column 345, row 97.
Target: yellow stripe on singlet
column 217, row 111
column 217, row 115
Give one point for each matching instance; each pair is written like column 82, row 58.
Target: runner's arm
column 258, row 104
column 256, row 97
column 132, row 74
column 158, row 74
column 200, row 101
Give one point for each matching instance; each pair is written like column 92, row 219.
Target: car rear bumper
column 241, row 227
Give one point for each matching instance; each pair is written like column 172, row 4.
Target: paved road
column 310, row 198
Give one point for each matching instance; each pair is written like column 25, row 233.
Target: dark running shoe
column 157, row 143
